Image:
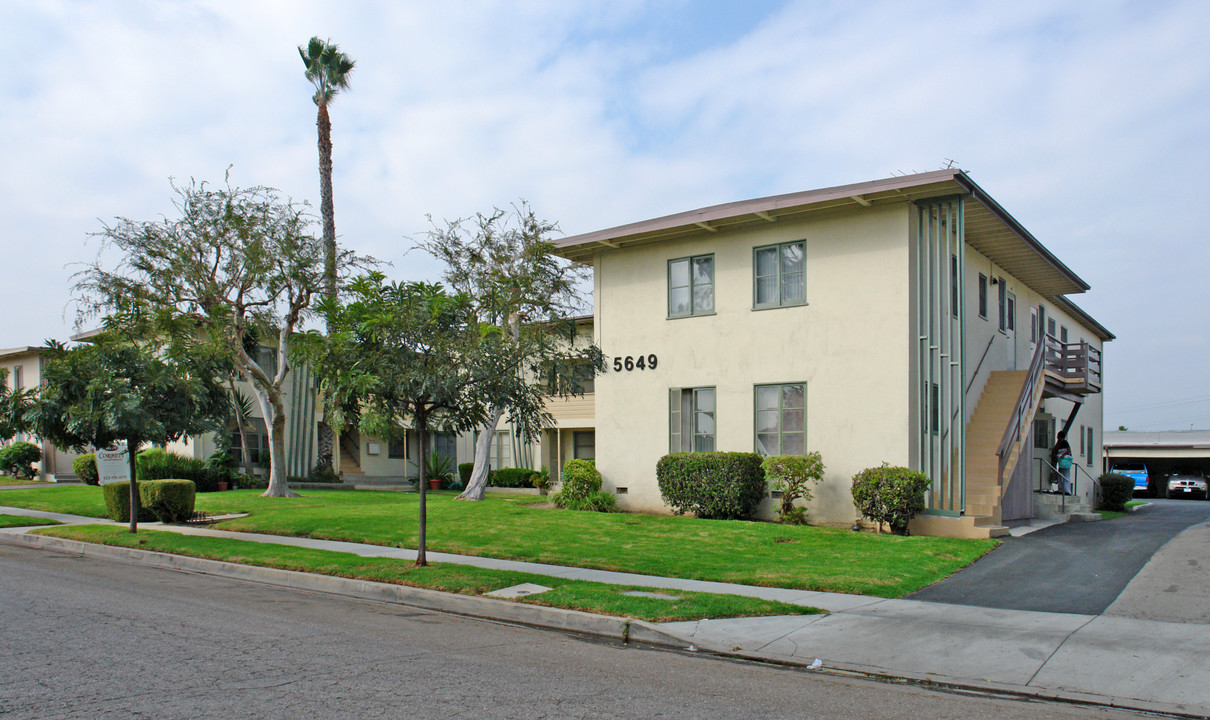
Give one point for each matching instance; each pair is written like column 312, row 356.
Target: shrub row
column 85, row 467
column 163, row 500
column 510, row 478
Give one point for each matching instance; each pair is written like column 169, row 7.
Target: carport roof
column 989, row 227
column 1124, row 439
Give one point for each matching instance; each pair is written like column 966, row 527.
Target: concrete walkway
column 1124, row 658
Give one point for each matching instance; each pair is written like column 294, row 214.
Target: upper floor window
column 18, row 377
column 780, row 274
column 1062, row 334
column 691, row 286
column 982, row 296
column 1002, row 296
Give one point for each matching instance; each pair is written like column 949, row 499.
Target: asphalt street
column 85, row 638
column 1068, row 568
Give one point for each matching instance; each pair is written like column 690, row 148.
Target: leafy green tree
column 504, row 263
column 328, row 69
column 401, row 353
column 233, row 263
column 118, row 389
column 13, row 404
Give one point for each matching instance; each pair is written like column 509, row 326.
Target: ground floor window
column 691, row 419
column 781, row 419
column 584, row 445
column 502, row 450
column 398, row 449
column 258, row 442
column 445, row 445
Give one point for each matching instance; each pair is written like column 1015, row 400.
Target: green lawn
column 462, row 579
column 22, row 521
column 19, row 481
column 752, row 553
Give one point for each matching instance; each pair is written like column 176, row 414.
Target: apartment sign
column 113, row 464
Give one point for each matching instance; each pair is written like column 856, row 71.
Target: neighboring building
column 1161, row 452
column 897, row 321
column 24, row 365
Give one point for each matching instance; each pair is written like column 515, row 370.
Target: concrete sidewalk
column 1139, row 663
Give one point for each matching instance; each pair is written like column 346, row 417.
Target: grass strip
column 19, row 481
column 7, row 521
column 591, row 597
column 507, row 527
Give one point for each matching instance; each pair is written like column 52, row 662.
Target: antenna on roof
column 949, row 163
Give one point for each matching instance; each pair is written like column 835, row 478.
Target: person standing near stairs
column 1060, row 458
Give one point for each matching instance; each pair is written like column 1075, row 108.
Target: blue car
column 1136, row 471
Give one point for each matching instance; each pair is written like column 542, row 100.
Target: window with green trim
column 781, row 419
column 691, row 286
column 780, row 275
column 691, row 419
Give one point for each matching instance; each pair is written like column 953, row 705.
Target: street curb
column 573, row 621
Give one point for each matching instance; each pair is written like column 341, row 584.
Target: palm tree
column 328, row 70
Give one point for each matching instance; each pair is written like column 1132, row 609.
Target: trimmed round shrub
column 85, row 467
column 117, row 503
column 889, row 494
column 714, row 485
column 1116, row 491
column 510, row 478
column 792, row 476
column 581, row 488
column 171, row 501
column 17, row 460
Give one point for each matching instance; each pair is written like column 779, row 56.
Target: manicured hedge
column 1116, row 491
column 117, row 503
column 717, row 485
column 157, row 464
column 464, row 474
column 510, row 478
column 164, row 500
column 85, row 467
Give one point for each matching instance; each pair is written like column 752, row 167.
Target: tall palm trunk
column 323, row 124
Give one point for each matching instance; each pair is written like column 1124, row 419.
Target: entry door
column 1043, row 430
column 1010, row 329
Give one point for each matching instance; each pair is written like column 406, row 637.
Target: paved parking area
column 1069, row 568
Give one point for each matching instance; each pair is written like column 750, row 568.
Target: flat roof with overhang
column 989, row 227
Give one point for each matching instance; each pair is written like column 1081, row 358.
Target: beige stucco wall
column 849, row 344
column 56, row 464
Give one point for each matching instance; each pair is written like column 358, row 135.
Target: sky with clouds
column 1088, row 121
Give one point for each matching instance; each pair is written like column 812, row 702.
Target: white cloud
column 1086, row 120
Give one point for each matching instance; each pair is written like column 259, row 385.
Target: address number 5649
column 630, row 362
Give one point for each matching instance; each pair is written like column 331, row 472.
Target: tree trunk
column 477, row 484
column 132, row 451
column 323, row 124
column 275, row 422
column 422, row 422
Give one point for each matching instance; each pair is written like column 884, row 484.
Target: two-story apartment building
column 909, row 320
column 24, row 366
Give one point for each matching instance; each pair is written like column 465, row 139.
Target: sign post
column 115, row 464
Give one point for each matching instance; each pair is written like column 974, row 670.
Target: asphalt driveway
column 1068, row 568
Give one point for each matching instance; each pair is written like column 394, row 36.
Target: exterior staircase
column 983, row 491
column 349, row 467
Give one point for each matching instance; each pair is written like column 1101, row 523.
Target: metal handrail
column 1075, row 484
